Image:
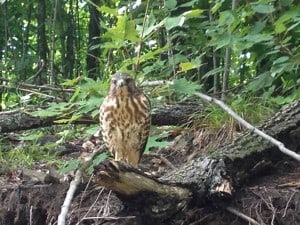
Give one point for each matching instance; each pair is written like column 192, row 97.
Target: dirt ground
column 271, row 198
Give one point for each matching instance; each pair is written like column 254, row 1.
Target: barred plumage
column 125, row 119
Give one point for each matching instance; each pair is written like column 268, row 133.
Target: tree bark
column 42, row 43
column 93, row 53
column 212, row 177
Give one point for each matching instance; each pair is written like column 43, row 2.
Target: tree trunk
column 94, row 37
column 42, row 43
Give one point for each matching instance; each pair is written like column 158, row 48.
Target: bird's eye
column 128, row 80
column 114, row 81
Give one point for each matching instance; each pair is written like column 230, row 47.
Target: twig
column 242, row 215
column 69, row 197
column 81, row 199
column 32, row 91
column 279, row 144
column 109, row 217
column 106, row 207
column 33, row 86
column 153, row 83
column 288, row 203
column 74, row 184
column 91, row 207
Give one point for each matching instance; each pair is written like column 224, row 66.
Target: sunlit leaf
column 185, row 66
column 193, row 13
column 124, row 30
column 108, row 10
column 71, row 166
column 69, row 120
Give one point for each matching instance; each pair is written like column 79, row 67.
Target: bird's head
column 122, row 84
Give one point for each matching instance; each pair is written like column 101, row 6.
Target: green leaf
column 217, row 6
column 124, row 30
column 257, row 38
column 257, row 28
column 185, row 66
column 184, row 86
column 170, row 4
column 92, row 130
column 220, row 41
column 264, row 80
column 172, row 22
column 282, row 21
column 73, row 118
column 99, row 158
column 32, row 137
column 149, row 26
column 263, row 8
column 54, row 109
column 226, row 18
column 152, row 142
column 213, row 71
column 108, row 10
column 193, row 13
column 71, row 166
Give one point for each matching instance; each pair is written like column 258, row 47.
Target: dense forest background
column 59, row 55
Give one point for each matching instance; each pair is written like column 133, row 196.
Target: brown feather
column 125, row 119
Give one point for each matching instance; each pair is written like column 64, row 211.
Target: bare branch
column 242, row 216
column 74, row 184
column 39, row 87
column 250, row 127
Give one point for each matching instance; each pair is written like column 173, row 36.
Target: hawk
column 125, row 119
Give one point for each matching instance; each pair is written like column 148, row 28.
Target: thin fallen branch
column 74, row 184
column 250, row 127
column 69, row 197
column 33, row 86
column 37, row 92
column 242, row 215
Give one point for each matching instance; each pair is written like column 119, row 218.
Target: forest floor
column 271, row 198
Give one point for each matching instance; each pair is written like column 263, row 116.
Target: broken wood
column 163, row 115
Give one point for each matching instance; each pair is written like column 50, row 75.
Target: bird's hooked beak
column 121, row 82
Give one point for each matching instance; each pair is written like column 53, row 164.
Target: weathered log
column 163, row 115
column 212, row 177
column 162, row 200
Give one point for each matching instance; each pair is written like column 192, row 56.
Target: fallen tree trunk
column 146, row 200
column 212, row 177
column 164, row 115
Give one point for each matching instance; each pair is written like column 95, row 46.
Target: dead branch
column 36, row 87
column 242, row 215
column 74, row 184
column 250, row 127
